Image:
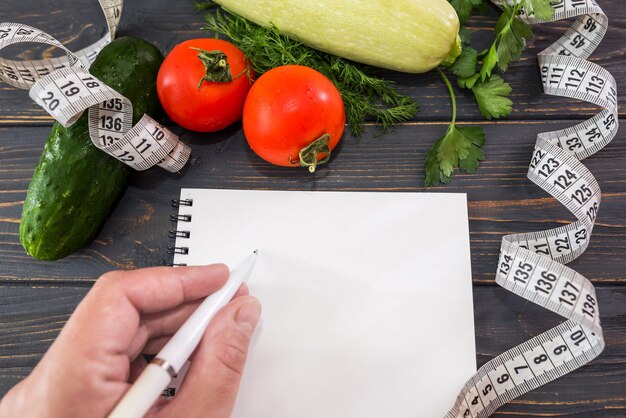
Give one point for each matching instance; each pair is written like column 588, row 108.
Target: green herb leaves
column 490, row 91
column 511, row 36
column 512, row 33
column 542, row 9
column 465, row 64
column 491, row 97
column 464, row 8
column 459, row 148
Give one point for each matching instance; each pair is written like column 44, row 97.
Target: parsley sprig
column 464, row 8
column 491, row 93
column 511, row 35
column 461, row 147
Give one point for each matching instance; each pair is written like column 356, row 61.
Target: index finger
column 157, row 289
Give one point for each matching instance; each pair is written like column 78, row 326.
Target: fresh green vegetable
column 511, row 34
column 364, row 96
column 458, row 148
column 491, row 97
column 412, row 36
column 75, row 185
column 465, row 64
column 542, row 9
column 464, row 8
column 267, row 47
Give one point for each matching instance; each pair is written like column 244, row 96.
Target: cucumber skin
column 75, row 185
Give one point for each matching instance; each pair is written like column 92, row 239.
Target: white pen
column 158, row 374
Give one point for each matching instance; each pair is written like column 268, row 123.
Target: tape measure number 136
column 64, row 88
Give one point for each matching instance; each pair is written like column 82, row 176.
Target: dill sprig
column 365, row 97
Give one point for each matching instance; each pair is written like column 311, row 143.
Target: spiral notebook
column 367, row 297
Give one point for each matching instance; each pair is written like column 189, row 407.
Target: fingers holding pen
column 157, row 328
column 217, row 365
column 120, row 299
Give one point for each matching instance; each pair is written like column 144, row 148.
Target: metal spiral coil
column 176, row 203
column 180, row 218
column 178, row 250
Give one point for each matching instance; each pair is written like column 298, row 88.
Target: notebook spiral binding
column 176, row 203
column 175, row 233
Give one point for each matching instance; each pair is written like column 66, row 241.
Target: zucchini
column 75, row 185
column 412, row 36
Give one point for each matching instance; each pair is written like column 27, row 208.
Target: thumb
column 210, row 387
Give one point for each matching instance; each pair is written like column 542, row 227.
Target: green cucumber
column 75, row 185
column 412, row 36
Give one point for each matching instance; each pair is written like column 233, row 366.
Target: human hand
column 96, row 356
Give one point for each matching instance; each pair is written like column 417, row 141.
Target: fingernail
column 248, row 315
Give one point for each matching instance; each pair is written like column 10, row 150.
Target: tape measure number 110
column 64, row 88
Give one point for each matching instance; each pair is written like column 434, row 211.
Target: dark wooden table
column 37, row 297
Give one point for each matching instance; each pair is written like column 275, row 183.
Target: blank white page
column 367, row 298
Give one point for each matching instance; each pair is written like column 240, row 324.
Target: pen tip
column 256, row 252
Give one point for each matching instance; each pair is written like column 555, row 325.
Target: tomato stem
column 216, row 66
column 308, row 154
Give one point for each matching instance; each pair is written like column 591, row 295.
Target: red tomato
column 290, row 108
column 203, row 106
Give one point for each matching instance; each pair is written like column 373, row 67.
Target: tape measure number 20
column 64, row 88
column 530, row 264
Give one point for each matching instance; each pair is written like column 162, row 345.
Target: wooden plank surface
column 168, row 22
column 501, row 199
column 502, row 319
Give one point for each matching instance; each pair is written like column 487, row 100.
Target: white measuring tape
column 530, row 264
column 64, row 88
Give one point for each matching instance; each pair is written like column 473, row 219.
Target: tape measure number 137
column 64, row 88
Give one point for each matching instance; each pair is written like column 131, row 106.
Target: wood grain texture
column 28, row 327
column 501, row 199
column 167, row 23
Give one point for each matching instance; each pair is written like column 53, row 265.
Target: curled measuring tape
column 531, row 265
column 64, row 88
